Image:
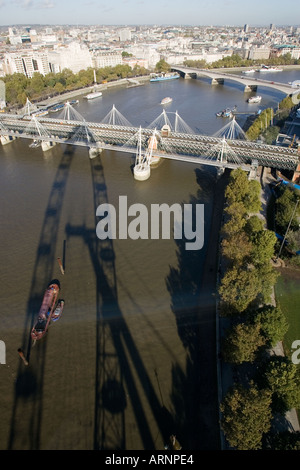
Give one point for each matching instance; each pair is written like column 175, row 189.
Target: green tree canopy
column 239, row 287
column 242, row 343
column 263, row 246
column 162, row 66
column 238, row 249
column 246, row 417
column 272, row 323
column 252, row 200
column 282, row 377
column 267, row 279
column 285, row 205
column 253, row 224
column 237, row 188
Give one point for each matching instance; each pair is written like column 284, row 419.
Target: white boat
column 266, row 68
column 58, row 310
column 254, row 99
column 35, row 144
column 249, row 71
column 93, row 95
column 166, row 100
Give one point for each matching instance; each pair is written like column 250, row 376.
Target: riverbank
column 241, row 69
column 124, row 82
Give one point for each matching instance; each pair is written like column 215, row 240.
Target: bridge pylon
column 39, row 134
column 142, row 170
column 5, row 139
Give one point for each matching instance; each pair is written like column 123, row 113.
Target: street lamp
column 288, row 227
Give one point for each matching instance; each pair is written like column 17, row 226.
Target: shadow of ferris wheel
column 28, row 399
column 114, row 343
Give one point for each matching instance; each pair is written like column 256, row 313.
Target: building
column 124, row 35
column 259, row 52
column 75, row 57
column 26, row 63
column 284, row 49
column 102, row 59
column 133, row 61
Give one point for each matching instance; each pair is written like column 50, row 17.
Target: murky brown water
column 132, row 359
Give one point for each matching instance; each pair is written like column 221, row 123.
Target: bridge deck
column 179, row 146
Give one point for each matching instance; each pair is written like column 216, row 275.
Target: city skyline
column 141, row 12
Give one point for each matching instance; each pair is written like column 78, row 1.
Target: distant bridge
column 217, row 77
column 227, row 149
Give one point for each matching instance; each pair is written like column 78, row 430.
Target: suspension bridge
column 168, row 136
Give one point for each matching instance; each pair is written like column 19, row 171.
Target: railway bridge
column 226, row 149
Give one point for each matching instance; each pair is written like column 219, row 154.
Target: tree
column 246, row 416
column 253, row 224
column 272, row 323
column 282, row 377
column 237, row 188
column 293, row 240
column 267, row 278
column 263, row 246
column 285, row 205
column 162, row 66
column 242, row 343
column 239, row 287
column 252, row 200
column 285, row 440
column 237, row 218
column 237, row 249
column 59, row 88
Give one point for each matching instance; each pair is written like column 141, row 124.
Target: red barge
column 46, row 310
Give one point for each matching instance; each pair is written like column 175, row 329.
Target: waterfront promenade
column 227, row 373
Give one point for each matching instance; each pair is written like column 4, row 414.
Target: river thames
column 132, row 359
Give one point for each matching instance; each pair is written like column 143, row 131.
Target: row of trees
column 268, row 123
column 19, row 87
column 237, row 61
column 266, row 384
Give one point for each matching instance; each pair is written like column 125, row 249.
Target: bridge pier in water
column 250, row 88
column 94, row 152
column 6, row 139
column 217, row 81
column 46, row 145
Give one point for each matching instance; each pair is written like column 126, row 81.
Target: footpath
column 227, row 373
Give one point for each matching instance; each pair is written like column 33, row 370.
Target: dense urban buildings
column 45, row 49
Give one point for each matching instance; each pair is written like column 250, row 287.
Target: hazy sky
column 161, row 12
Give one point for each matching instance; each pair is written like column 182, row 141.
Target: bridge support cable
column 115, row 118
column 39, row 133
column 29, row 108
column 179, row 126
column 223, row 153
column 70, row 114
column 231, row 131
